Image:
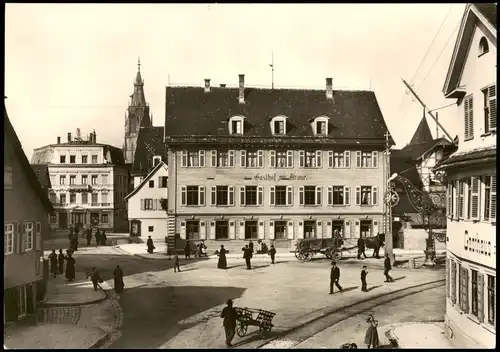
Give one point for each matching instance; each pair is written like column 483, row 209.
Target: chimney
column 223, row 85
column 207, row 85
column 95, row 136
column 58, row 140
column 69, row 137
column 329, row 89
column 241, row 97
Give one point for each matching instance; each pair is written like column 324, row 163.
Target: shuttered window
column 449, row 196
column 468, row 118
column 490, row 109
column 480, row 297
column 475, row 197
column 474, row 292
column 464, row 289
column 490, row 198
column 453, row 282
column 461, row 195
column 492, row 298
column 448, row 278
column 493, row 199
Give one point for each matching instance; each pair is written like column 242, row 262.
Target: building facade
column 277, row 165
column 148, row 202
column 89, row 182
column 26, row 213
column 470, row 175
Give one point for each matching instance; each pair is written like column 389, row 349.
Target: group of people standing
column 57, row 264
column 248, row 251
column 100, row 237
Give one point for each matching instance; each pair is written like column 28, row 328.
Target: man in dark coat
column 60, row 261
column 387, row 268
column 53, row 263
column 104, row 239
column 250, row 245
column 70, row 267
column 247, row 255
column 89, row 235
column 334, row 277
column 187, row 250
column 118, row 274
column 361, row 248
column 97, row 237
column 272, row 253
column 229, row 315
column 94, row 277
column 150, row 245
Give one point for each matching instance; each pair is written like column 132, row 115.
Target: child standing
column 364, row 272
column 177, row 267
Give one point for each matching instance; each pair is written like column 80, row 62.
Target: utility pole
column 389, row 245
column 426, row 108
column 437, row 127
column 272, row 69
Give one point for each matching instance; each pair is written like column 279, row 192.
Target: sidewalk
column 420, row 335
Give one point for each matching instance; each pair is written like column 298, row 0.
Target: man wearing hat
column 229, row 315
column 334, row 277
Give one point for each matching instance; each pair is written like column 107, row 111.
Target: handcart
column 245, row 317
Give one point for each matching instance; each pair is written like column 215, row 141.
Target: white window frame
column 201, row 196
column 333, row 156
column 282, row 119
column 241, row 120
column 8, row 234
column 230, row 196
column 185, row 158
column 346, row 196
column 321, row 119
column 28, row 234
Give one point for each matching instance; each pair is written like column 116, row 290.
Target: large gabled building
column 274, row 164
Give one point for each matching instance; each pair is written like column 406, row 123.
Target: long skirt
column 119, row 285
column 53, row 268
column 70, row 271
column 371, row 337
column 222, row 264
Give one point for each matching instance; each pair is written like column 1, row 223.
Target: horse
column 375, row 243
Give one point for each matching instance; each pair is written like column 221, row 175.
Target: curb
column 100, row 342
column 143, row 256
column 77, row 304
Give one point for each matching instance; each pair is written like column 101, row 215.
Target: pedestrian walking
column 272, row 253
column 361, row 248
column 229, row 315
column 187, row 250
column 70, row 267
column 222, row 263
column 151, row 246
column 334, row 277
column 89, row 236
column 371, row 337
column 259, row 247
column 364, row 272
column 60, row 260
column 103, row 238
column 118, row 278
column 387, row 268
column 53, row 263
column 97, row 237
column 94, row 277
column 247, row 255
column 177, row 266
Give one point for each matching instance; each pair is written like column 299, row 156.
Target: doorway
column 22, row 301
column 77, row 219
column 63, row 220
column 251, row 230
column 338, row 225
column 310, row 229
column 366, row 228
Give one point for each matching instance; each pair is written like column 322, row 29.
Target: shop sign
column 277, row 178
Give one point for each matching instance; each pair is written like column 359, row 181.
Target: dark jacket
column 335, row 273
column 361, row 243
column 272, row 251
column 387, row 264
column 60, row 258
column 247, row 252
column 149, row 243
column 363, row 274
column 229, row 315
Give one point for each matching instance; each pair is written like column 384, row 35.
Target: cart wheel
column 241, row 329
column 337, row 255
column 328, row 254
column 308, row 254
column 297, row 253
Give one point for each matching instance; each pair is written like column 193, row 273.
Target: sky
column 74, row 65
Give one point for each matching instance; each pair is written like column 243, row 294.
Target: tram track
column 302, row 332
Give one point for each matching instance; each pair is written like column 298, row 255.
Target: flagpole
column 272, row 69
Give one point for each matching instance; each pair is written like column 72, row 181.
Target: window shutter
column 159, row 182
column 202, row 158
column 271, row 229
column 184, row 159
column 183, row 230
column 448, row 278
column 347, row 195
column 449, row 198
column 492, row 97
column 203, row 230
column 243, row 158
column 241, row 233
column 38, row 236
column 143, row 204
column 242, row 195
column 457, row 201
column 319, row 158
column 357, row 232
column 466, row 118
column 318, row 195
column 471, row 117
column 300, row 230
column 183, row 197
column 214, row 196
column 231, row 195
column 493, row 199
column 289, row 158
column 475, row 197
column 347, row 159
column 211, row 234
column 375, row 228
column 374, row 195
column 358, row 195
column 328, row 229
column 289, row 230
column 330, row 159
column 302, row 158
column 466, row 290
column 301, row 195
column 232, row 230
column 231, row 158
column 213, row 158
column 330, row 195
column 453, row 283
column 461, row 195
column 201, row 195
column 358, row 159
column 271, row 195
column 260, row 195
column 155, row 204
column 272, row 158
column 260, row 158
column 480, row 297
column 347, row 229
column 375, row 159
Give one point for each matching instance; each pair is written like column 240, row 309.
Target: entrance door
column 339, row 226
column 251, row 230
column 63, row 220
column 310, row 229
column 78, row 219
column 22, row 301
column 366, row 228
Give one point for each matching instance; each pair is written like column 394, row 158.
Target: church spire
column 138, row 98
column 423, row 132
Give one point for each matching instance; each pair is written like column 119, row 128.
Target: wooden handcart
column 245, row 317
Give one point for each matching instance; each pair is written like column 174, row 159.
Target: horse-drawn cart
column 329, row 247
column 245, row 317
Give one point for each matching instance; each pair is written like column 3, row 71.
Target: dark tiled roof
column 416, row 150
column 475, row 155
column 489, row 11
column 114, row 155
column 42, row 175
column 422, row 133
column 192, row 112
column 149, row 144
column 11, row 136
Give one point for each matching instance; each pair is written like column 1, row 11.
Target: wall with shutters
column 21, row 204
column 159, row 229
column 478, row 72
column 237, row 176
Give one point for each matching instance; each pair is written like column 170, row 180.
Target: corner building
column 277, row 165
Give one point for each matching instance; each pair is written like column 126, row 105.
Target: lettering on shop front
column 472, row 243
column 276, row 177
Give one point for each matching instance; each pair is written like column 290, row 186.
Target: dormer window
column 483, row 46
column 236, row 125
column 278, row 125
column 320, row 126
column 156, row 160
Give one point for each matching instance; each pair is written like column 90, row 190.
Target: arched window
column 483, row 46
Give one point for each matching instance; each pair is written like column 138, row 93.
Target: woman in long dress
column 118, row 274
column 70, row 267
column 222, row 264
column 371, row 338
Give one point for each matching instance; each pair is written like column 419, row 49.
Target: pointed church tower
column 137, row 116
column 423, row 133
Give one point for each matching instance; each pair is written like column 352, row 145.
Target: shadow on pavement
column 151, row 315
column 347, row 289
column 255, row 336
column 373, row 287
column 260, row 266
column 188, row 269
column 399, row 278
